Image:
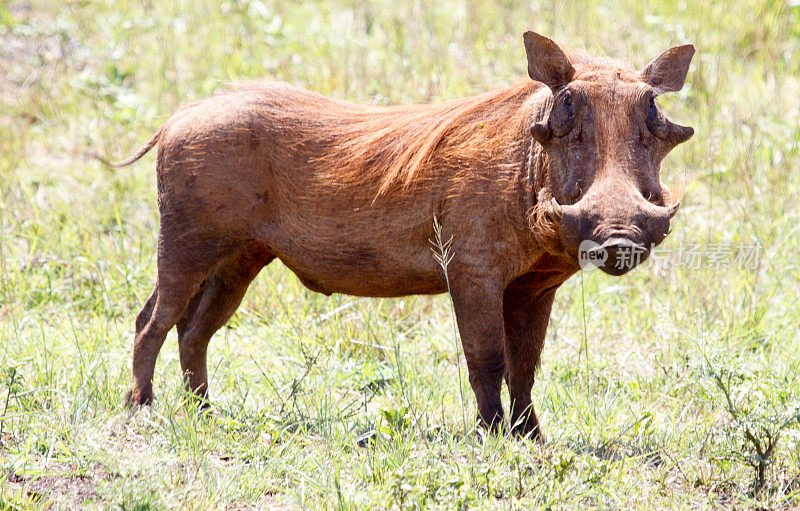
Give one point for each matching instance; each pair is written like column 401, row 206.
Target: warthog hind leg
column 147, row 310
column 182, row 267
column 211, row 307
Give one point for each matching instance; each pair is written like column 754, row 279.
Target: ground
column 657, row 390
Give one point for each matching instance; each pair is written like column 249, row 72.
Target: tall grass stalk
column 443, row 255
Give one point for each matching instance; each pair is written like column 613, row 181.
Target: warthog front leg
column 479, row 313
column 526, row 311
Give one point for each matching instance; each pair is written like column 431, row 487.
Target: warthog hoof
column 534, row 435
column 135, row 398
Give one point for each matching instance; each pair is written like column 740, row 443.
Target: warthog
column 345, row 196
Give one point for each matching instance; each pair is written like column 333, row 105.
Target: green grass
column 340, row 402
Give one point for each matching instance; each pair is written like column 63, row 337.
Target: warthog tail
column 138, row 154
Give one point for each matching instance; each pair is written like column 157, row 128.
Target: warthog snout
column 616, row 234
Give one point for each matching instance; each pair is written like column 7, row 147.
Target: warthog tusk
column 674, row 209
column 556, row 208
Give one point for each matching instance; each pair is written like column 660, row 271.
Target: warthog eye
column 563, row 117
column 655, row 122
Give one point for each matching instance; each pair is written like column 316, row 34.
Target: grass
column 651, row 385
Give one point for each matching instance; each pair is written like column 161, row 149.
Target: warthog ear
column 547, row 63
column 667, row 72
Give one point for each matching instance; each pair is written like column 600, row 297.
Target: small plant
column 401, row 490
column 759, row 404
column 12, row 381
column 397, row 419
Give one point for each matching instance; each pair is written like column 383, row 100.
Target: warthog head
column 604, row 138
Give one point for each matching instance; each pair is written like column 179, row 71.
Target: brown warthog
column 345, row 196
